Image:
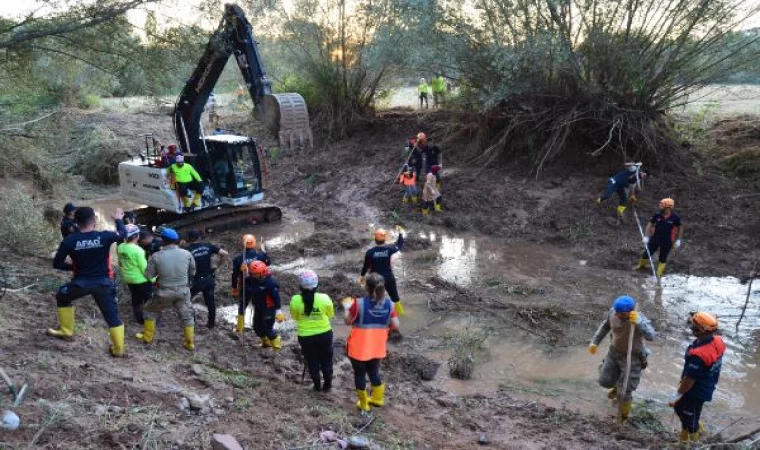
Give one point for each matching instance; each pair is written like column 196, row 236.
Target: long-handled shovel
column 649, row 255
column 622, row 392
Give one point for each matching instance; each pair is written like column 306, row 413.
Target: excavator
column 231, row 166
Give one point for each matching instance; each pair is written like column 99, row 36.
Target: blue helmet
column 624, row 304
column 170, row 234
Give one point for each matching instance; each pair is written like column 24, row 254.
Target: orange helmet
column 421, row 136
column 258, row 269
column 704, row 321
column 250, row 241
column 667, row 203
column 380, row 235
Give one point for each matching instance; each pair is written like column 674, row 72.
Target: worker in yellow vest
column 187, row 179
column 422, row 90
column 439, row 90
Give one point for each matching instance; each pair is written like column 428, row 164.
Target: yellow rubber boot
column 625, row 410
column 405, row 200
column 190, row 337
column 276, row 343
column 697, row 435
column 147, row 334
column 265, row 342
column 415, row 200
column 399, row 308
column 660, row 269
column 67, row 323
column 197, row 199
column 425, row 211
column 612, row 394
column 621, row 210
column 438, row 207
column 240, row 324
column 643, row 264
column 362, row 402
column 378, row 395
column 684, row 436
column 117, row 340
column 186, row 201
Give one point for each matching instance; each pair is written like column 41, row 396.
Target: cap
column 68, row 208
column 194, row 235
column 624, row 304
column 169, row 234
column 308, row 279
column 132, row 230
column 179, row 158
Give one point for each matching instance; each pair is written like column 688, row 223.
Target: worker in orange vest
column 370, row 317
column 408, row 179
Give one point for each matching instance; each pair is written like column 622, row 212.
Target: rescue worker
column 169, row 155
column 415, row 157
column 439, row 90
column 262, row 290
column 133, row 264
column 187, row 179
column 378, row 260
column 409, row 180
column 175, row 268
column 92, row 274
column 618, row 321
column 431, row 197
column 240, row 95
column 370, row 317
column 625, row 184
column 204, row 281
column 431, row 152
column 68, row 224
column 312, row 312
column 664, row 232
column 701, row 371
column 422, row 91
column 148, row 242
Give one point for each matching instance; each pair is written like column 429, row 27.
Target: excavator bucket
column 287, row 116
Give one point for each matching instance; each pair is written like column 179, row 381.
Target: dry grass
column 99, row 156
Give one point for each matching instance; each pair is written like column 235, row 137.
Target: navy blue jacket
column 378, row 258
column 250, row 256
column 90, row 255
column 703, row 361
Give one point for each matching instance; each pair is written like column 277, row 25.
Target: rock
column 183, row 404
column 219, row 412
column 357, row 442
column 10, row 421
column 199, row 401
column 101, row 410
column 483, row 439
column 447, row 402
column 114, row 409
column 197, row 369
column 224, row 442
column 328, row 436
column 229, row 400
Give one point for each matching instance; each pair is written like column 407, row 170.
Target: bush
column 22, row 222
column 99, row 156
column 462, row 359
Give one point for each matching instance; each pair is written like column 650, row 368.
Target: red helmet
column 258, row 269
column 172, row 147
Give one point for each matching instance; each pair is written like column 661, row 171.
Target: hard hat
column 421, row 136
column 435, row 169
column 172, row 147
column 132, row 230
column 250, row 241
column 180, row 159
column 380, row 235
column 258, row 269
column 704, row 321
column 169, row 234
column 667, row 203
column 632, row 167
column 624, row 304
column 308, row 279
column 422, row 80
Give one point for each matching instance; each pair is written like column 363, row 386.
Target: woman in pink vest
column 371, row 316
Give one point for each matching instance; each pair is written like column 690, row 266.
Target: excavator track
column 209, row 221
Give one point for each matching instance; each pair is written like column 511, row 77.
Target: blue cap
column 624, row 304
column 169, row 234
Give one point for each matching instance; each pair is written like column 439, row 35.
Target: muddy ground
column 529, row 265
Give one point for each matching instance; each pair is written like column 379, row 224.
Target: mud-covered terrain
column 506, row 285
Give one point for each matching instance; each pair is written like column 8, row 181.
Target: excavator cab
column 233, row 168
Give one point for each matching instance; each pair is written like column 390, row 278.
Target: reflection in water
column 459, row 260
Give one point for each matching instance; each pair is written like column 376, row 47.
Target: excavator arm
column 285, row 115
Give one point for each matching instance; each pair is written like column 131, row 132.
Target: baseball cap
column 69, row 207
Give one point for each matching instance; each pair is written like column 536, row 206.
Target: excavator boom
column 285, row 115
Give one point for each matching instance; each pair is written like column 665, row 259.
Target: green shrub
column 99, row 156
column 23, row 227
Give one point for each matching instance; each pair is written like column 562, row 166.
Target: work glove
column 592, row 349
column 279, row 316
column 674, row 398
column 362, row 279
column 645, row 240
column 347, row 302
column 633, row 199
column 400, row 230
column 598, row 200
column 678, row 244
column 633, row 316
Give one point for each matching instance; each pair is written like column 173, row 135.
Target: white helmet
column 422, row 80
column 308, row 279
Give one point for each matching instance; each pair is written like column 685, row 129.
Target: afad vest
column 370, row 330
